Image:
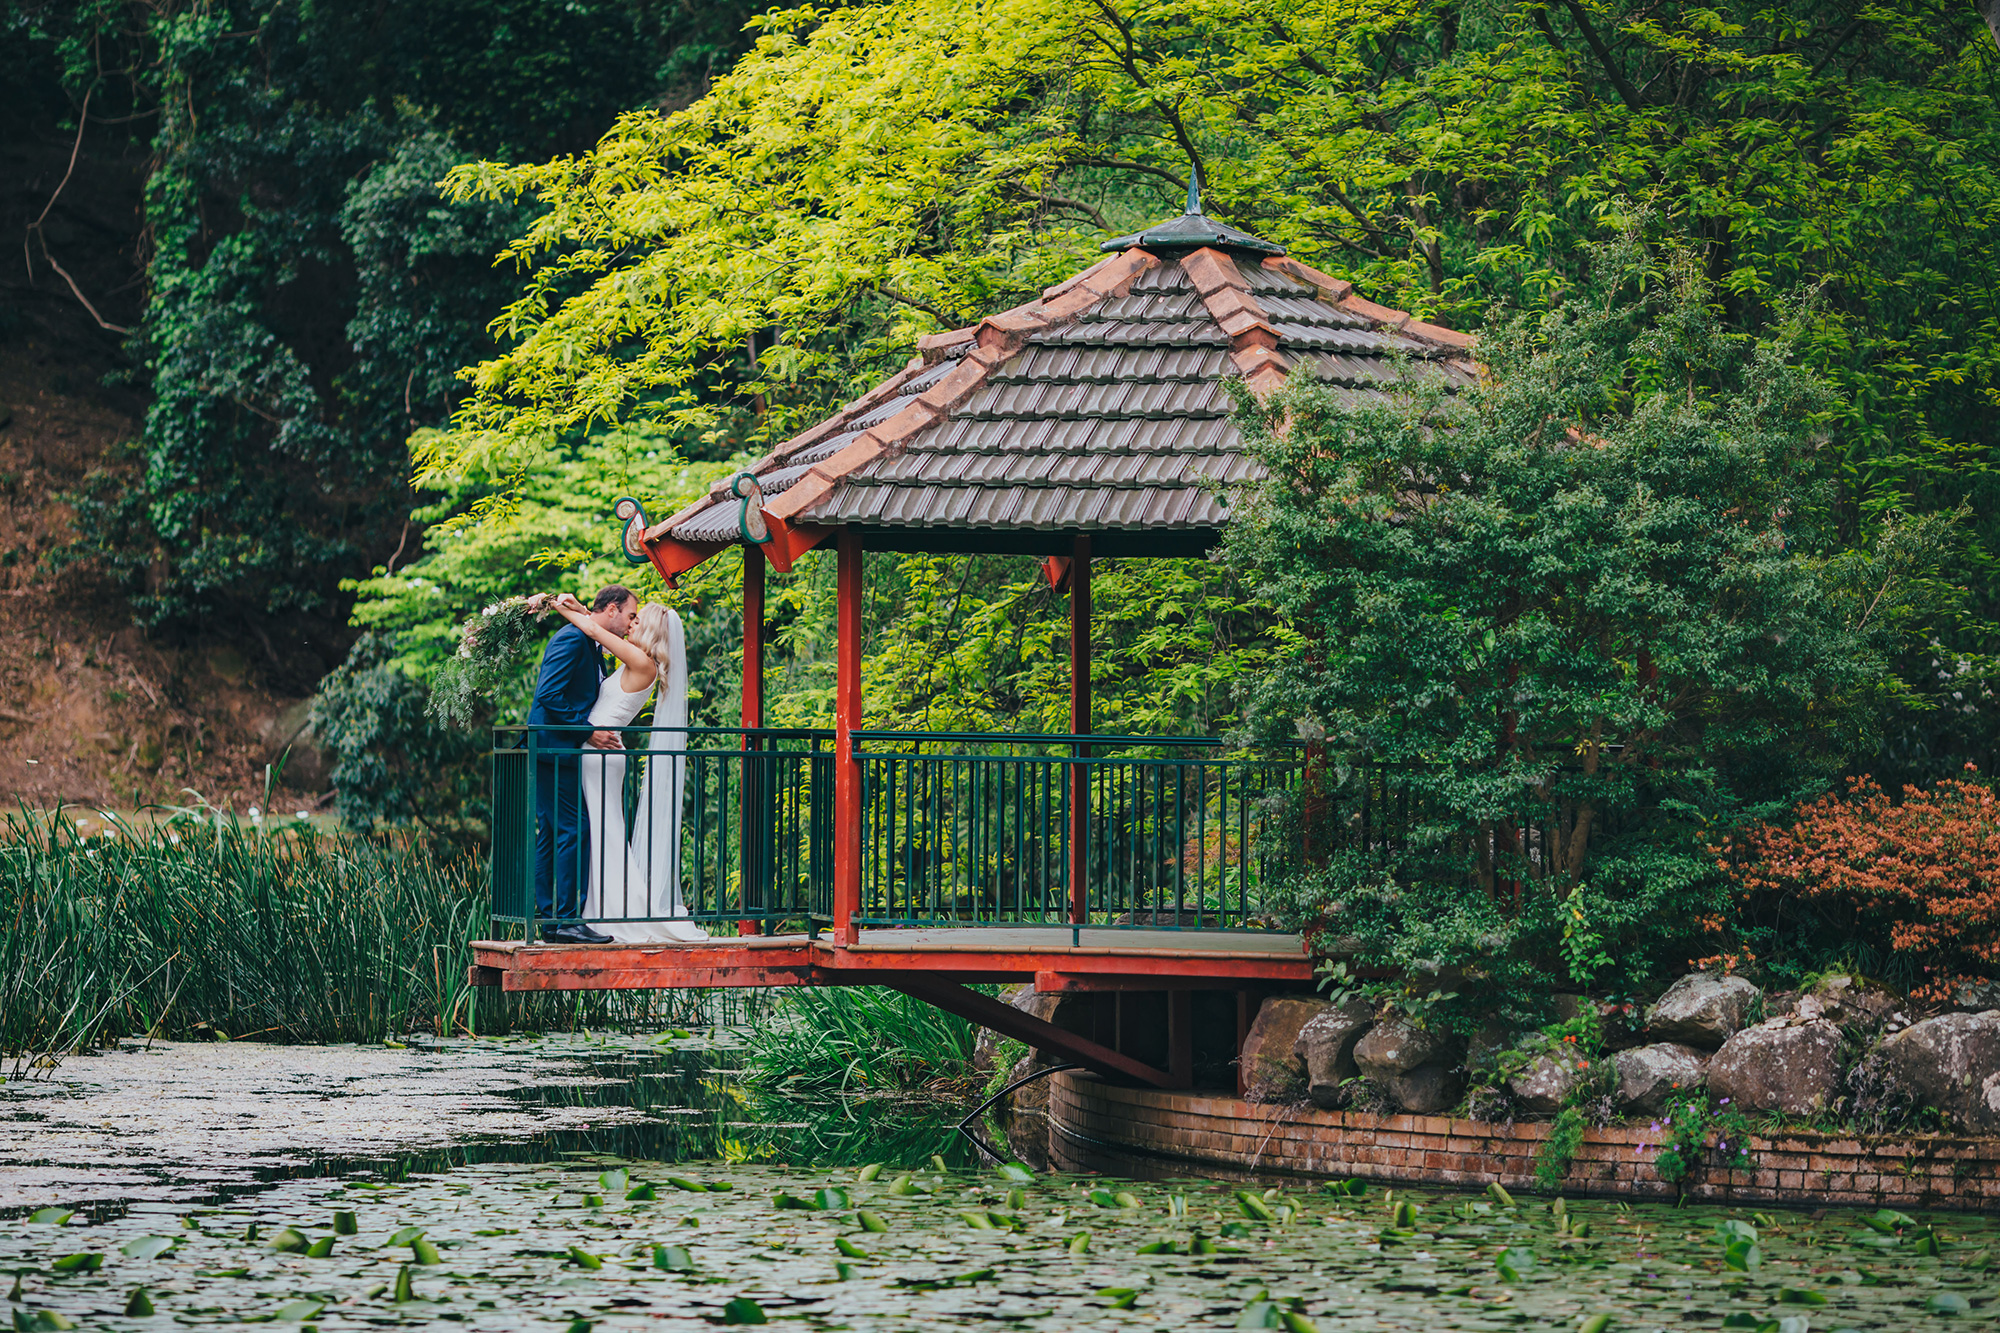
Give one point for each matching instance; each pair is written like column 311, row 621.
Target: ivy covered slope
column 874, row 172
column 1584, row 619
column 310, row 294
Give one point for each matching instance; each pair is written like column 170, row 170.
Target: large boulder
column 1785, row 1064
column 1270, row 1070
column 1326, row 1048
column 1426, row 1089
column 1951, row 1062
column 1396, row 1046
column 1545, row 1084
column 1849, row 1001
column 1650, row 1076
column 1702, row 1010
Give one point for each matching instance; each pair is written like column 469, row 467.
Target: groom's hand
column 605, row 740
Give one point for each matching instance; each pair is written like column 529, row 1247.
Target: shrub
column 1924, row 873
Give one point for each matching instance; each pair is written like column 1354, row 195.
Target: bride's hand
column 567, row 602
column 537, row 601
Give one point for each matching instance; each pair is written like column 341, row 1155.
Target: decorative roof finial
column 1194, row 190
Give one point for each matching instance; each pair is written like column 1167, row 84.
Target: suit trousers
column 562, row 840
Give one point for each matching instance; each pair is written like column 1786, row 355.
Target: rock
column 1483, row 1047
column 1269, row 1069
column 1650, row 1076
column 1951, row 1062
column 1701, row 1010
column 1976, row 996
column 1784, row 1064
column 986, row 1046
column 1024, row 1116
column 1426, row 1089
column 1326, row 1047
column 1544, row 1085
column 1569, row 1005
column 1848, row 1000
column 1395, row 1046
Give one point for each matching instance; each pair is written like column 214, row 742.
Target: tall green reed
column 861, row 1073
column 202, row 924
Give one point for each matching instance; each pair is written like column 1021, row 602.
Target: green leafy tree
column 1583, row 619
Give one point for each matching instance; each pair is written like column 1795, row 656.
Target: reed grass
column 198, row 924
column 861, row 1073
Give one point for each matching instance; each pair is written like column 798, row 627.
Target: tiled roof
column 1100, row 408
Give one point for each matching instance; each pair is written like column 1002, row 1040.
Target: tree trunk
column 1990, row 11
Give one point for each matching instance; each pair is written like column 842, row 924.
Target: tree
column 1584, row 618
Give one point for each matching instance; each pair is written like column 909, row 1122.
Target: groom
column 572, row 671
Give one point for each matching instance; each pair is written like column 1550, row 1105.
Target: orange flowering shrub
column 1927, row 867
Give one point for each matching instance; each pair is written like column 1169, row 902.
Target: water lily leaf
column 345, row 1224
column 680, row 1034
column 1500, row 1194
column 850, row 1249
column 1235, row 1230
column 940, row 1283
column 1891, row 1218
column 977, row 1221
column 1261, row 1314
column 1405, row 1215
column 868, row 1172
column 1733, row 1230
column 1948, row 1302
column 1104, row 1198
column 904, row 1186
column 320, row 1248
column 406, row 1235
column 672, row 1259
column 830, row 1200
column 1253, row 1206
column 41, row 1320
column 423, row 1252
column 938, row 1165
column 786, row 1199
column 147, row 1247
column 1799, row 1296
column 139, row 1305
column 289, row 1240
column 1200, row 1244
column 1924, row 1242
column 870, row 1222
column 1515, row 1262
column 720, row 1186
column 1298, row 1323
column 1743, row 1319
column 53, row 1217
column 584, row 1259
column 405, row 1290
column 691, row 1186
column 578, row 1326
column 1597, row 1323
column 1080, row 1243
column 78, row 1263
column 1015, row 1172
column 1743, row 1256
column 591, row 1201
column 843, row 1272
column 1159, row 1247
column 1125, row 1200
column 1119, row 1298
column 293, row 1312
column 743, row 1310
column 615, row 1181
column 641, row 1191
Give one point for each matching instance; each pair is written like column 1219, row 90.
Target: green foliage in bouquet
column 491, row 649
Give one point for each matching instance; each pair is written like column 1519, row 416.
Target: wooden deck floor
column 1053, row 957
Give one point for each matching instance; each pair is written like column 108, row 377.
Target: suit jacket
column 572, row 672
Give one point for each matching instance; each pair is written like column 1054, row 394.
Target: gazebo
column 1092, row 423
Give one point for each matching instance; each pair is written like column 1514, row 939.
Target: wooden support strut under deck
column 1005, row 1019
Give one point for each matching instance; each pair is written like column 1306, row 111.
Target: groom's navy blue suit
column 565, row 692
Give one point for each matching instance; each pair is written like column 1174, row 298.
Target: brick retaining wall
column 1149, row 1133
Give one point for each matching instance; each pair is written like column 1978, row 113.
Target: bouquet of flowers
column 491, row 646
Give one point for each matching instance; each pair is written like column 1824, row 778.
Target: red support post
column 847, row 718
column 753, row 698
column 1079, row 725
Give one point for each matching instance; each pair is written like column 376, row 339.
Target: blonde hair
column 650, row 631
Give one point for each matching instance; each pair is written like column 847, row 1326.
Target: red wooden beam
column 1008, row 1021
column 749, row 790
column 1079, row 725
column 847, row 719
column 673, row 558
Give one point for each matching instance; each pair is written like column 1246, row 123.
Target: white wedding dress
column 637, row 872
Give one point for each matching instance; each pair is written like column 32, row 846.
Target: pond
column 506, row 1206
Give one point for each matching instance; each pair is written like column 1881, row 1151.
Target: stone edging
column 1144, row 1131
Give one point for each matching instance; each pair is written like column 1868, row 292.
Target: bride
column 637, row 873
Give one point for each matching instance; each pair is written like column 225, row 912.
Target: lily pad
column 52, row 1217
column 743, row 1310
column 147, row 1247
column 88, row 1262
column 672, row 1259
column 293, row 1312
column 1948, row 1303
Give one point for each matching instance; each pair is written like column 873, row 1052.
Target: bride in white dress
column 637, row 873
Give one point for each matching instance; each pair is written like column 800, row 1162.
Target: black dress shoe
column 574, row 932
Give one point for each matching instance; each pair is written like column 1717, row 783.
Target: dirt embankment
column 92, row 710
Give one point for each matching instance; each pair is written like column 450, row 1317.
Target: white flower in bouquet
column 490, row 648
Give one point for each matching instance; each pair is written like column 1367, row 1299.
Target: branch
column 1603, row 54
column 940, row 316
column 1178, row 182
column 35, row 228
column 1057, row 201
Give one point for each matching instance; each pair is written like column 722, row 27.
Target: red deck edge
column 796, row 961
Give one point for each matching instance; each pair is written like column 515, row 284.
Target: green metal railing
column 754, row 838
column 966, row 828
